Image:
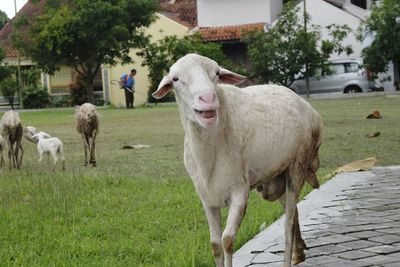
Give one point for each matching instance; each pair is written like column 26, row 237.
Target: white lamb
column 264, row 137
column 50, row 145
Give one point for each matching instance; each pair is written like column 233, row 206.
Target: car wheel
column 352, row 89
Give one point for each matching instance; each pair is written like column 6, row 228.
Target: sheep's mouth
column 206, row 117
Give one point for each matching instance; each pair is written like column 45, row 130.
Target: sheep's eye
column 217, row 73
column 175, row 79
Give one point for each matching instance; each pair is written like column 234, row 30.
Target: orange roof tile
column 185, row 10
column 28, row 10
column 228, row 33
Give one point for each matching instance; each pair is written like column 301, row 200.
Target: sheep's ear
column 164, row 88
column 227, row 76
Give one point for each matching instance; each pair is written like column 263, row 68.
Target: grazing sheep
column 50, row 145
column 2, row 162
column 264, row 137
column 87, row 124
column 30, row 131
column 11, row 130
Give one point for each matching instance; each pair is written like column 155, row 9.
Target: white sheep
column 2, row 162
column 30, row 131
column 11, row 130
column 87, row 125
column 264, row 137
column 50, row 145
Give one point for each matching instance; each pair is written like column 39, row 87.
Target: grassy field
column 138, row 207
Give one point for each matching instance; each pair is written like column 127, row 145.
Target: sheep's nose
column 208, row 98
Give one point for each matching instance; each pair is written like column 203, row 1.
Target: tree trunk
column 396, row 73
column 90, row 91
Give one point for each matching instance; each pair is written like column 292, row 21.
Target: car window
column 351, row 67
column 335, row 69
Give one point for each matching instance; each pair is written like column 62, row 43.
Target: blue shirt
column 128, row 82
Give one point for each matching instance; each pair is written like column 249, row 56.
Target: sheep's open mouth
column 206, row 116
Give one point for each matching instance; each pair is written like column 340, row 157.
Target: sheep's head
column 29, row 132
column 194, row 78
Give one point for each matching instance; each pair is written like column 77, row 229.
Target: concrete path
column 352, row 220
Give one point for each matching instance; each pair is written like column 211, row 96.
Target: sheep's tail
column 313, row 165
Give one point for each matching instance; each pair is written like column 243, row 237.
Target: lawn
column 138, row 207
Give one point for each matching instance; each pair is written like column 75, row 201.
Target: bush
column 60, row 101
column 8, row 88
column 35, row 97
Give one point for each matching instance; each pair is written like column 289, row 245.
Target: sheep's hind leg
column 299, row 245
column 214, row 225
column 293, row 242
column 93, row 149
column 237, row 209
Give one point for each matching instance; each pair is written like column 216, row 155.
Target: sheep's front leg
column 214, row 224
column 85, row 148
column 237, row 209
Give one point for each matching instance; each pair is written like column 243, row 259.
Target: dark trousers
column 129, row 99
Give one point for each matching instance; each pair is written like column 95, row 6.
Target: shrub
column 35, row 97
column 8, row 88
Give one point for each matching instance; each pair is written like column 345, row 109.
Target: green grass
column 138, row 208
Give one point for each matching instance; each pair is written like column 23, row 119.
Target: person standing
column 128, row 84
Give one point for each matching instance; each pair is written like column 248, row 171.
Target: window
column 335, row 69
column 351, row 67
column 360, row 3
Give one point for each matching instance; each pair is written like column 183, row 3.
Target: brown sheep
column 11, row 130
column 87, row 124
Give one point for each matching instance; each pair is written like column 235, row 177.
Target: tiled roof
column 182, row 11
column 28, row 10
column 228, row 33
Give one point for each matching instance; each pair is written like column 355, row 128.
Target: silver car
column 345, row 76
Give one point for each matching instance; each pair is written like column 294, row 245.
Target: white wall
column 213, row 13
column 324, row 14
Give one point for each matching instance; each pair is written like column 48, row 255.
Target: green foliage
column 3, row 19
column 35, row 97
column 287, row 49
column 31, row 76
column 158, row 57
column 8, row 87
column 84, row 34
column 384, row 26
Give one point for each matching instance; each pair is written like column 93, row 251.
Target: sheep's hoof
column 298, row 257
column 94, row 163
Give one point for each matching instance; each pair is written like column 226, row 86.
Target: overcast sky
column 8, row 6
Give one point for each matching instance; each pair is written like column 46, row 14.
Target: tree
column 8, row 87
column 84, row 34
column 384, row 26
column 158, row 57
column 3, row 19
column 288, row 48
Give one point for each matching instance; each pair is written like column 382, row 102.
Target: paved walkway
column 352, row 220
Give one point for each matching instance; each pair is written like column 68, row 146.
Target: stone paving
column 352, row 220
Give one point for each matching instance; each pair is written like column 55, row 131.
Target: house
column 175, row 18
column 226, row 22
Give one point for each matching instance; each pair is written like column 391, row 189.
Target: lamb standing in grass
column 50, row 145
column 264, row 137
column 11, row 130
column 87, row 124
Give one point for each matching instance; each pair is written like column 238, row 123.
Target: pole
column 306, row 58
column 19, row 66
